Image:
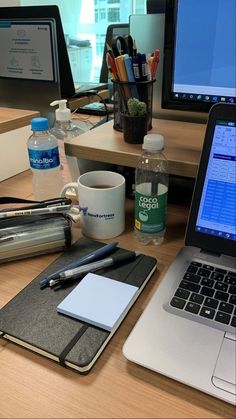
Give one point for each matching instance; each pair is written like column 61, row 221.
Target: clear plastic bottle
column 151, row 189
column 44, row 161
column 64, row 129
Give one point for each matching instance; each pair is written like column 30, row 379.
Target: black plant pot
column 134, row 128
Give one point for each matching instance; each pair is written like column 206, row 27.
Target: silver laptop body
column 188, row 329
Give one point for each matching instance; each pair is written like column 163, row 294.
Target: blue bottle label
column 44, row 159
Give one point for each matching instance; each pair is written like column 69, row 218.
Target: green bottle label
column 150, row 212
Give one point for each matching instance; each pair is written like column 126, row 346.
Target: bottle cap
column 62, row 113
column 39, row 124
column 153, row 142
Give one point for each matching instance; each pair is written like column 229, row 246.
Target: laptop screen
column 217, row 211
column 212, row 217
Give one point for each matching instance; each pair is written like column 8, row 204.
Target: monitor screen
column 199, row 54
column 30, row 50
column 52, row 13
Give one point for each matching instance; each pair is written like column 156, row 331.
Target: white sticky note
column 99, row 301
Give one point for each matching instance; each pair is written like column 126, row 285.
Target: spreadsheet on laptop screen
column 217, row 211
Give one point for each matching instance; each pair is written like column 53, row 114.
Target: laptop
column 188, row 330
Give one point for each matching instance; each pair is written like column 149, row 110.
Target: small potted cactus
column 136, row 108
column 135, row 121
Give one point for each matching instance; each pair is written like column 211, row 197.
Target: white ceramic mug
column 101, row 198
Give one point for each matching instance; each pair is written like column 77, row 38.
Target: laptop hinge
column 206, row 252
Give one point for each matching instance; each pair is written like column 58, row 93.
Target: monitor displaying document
column 29, row 50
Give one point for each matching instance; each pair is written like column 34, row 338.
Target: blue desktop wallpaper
column 206, row 43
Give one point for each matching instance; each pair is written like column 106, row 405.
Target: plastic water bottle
column 44, row 161
column 151, row 189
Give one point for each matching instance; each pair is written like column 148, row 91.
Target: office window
column 102, row 14
column 86, row 21
column 113, row 15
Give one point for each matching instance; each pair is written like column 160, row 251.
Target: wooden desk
column 15, row 118
column 14, row 132
column 183, row 144
column 35, row 387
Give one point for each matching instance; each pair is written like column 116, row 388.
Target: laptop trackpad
column 224, row 376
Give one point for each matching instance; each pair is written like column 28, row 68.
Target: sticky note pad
column 99, row 301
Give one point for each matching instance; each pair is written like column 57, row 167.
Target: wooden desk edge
column 15, row 118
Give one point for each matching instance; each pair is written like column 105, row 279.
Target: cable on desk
column 92, row 93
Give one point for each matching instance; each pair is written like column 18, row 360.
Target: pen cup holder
column 123, row 91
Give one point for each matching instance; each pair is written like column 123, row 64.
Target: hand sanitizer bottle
column 63, row 129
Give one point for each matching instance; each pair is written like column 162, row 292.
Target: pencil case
column 27, row 236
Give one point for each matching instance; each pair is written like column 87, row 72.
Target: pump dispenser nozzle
column 62, row 113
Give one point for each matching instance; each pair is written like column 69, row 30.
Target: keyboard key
column 193, row 269
column 231, row 273
column 217, row 276
column 182, row 293
column 219, row 295
column 230, row 280
column 207, row 312
column 233, row 321
column 222, row 271
column 226, row 307
column 196, row 263
column 204, row 272
column 192, row 277
column 232, row 289
column 211, row 268
column 208, row 292
column 207, row 282
column 192, row 307
column 222, row 317
column 221, row 286
column 190, row 286
column 211, row 302
column 196, row 298
column 232, row 299
column 177, row 302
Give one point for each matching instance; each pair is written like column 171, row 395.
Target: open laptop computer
column 188, row 329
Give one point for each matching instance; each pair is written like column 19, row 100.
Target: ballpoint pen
column 91, row 257
column 75, row 273
column 35, row 211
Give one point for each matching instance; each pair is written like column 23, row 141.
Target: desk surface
column 15, row 118
column 35, row 387
column 183, row 144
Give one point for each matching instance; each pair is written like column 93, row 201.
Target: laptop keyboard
column 208, row 292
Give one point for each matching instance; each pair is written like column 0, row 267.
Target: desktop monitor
column 199, row 54
column 29, row 89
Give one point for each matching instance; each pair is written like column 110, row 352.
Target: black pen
column 75, row 273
